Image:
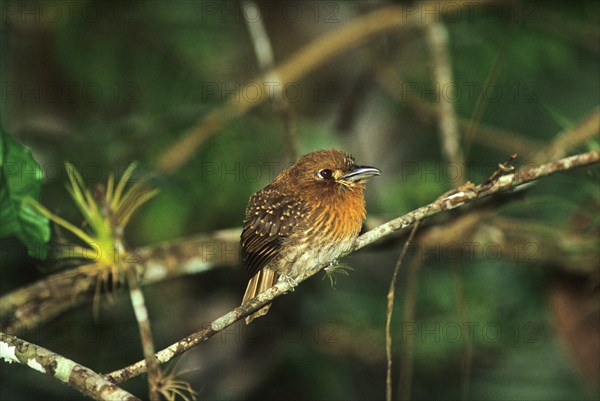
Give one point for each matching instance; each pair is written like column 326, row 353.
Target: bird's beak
column 361, row 174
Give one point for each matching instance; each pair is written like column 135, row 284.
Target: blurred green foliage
column 133, row 76
column 21, row 178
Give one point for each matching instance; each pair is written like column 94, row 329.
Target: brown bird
column 309, row 214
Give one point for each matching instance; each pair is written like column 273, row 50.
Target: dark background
column 101, row 84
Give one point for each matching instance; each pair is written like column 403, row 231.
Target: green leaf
column 21, row 177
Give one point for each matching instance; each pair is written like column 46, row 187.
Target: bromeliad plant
column 106, row 214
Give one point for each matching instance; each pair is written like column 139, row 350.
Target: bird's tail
column 260, row 282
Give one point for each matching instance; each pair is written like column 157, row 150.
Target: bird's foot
column 331, row 265
column 333, row 270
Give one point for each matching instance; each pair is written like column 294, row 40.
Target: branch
column 266, row 60
column 141, row 315
column 390, row 310
column 43, row 300
column 82, row 379
column 505, row 183
column 463, row 195
column 407, row 347
column 437, row 35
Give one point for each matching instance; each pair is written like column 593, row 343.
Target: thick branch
column 466, row 194
column 41, row 301
column 82, row 379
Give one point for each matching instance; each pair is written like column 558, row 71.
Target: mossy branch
column 81, row 378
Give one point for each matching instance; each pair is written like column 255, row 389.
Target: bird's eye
column 325, row 174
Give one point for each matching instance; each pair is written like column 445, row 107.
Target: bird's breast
column 339, row 217
column 329, row 230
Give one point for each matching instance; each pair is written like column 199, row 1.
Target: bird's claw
column 332, row 269
column 331, row 265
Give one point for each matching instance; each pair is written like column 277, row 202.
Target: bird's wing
column 270, row 218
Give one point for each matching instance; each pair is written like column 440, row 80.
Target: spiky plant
column 106, row 214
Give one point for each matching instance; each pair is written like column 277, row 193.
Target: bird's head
column 330, row 169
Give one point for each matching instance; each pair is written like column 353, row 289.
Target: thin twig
column 463, row 311
column 266, row 60
column 390, row 310
column 258, row 35
column 141, row 315
column 503, row 168
column 408, row 343
column 437, row 36
column 81, row 378
column 454, row 199
column 482, row 100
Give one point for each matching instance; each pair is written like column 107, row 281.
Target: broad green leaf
column 20, row 178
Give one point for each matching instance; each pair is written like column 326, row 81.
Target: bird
column 309, row 214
